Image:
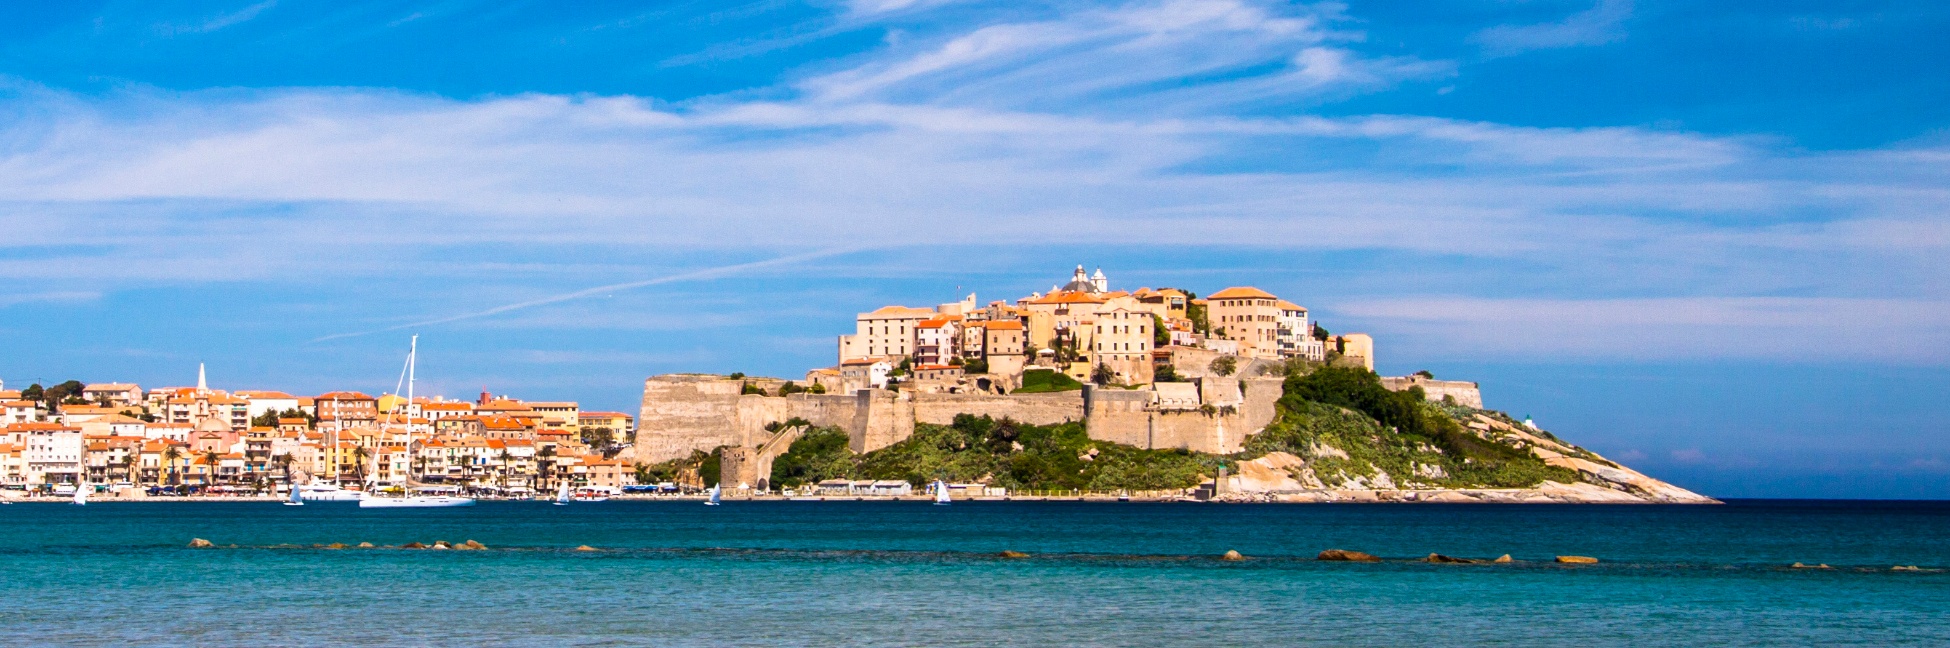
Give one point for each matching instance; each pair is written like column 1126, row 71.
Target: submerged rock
column 1439, row 558
column 1577, row 560
column 365, row 545
column 412, row 545
column 586, row 548
column 1232, row 555
column 335, row 545
column 1347, row 556
column 470, row 544
column 1505, row 558
column 1013, row 554
column 1802, row 566
column 199, row 543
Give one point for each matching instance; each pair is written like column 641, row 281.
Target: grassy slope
column 1038, row 381
column 1421, row 444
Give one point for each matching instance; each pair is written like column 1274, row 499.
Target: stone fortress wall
column 1465, row 392
column 683, row 413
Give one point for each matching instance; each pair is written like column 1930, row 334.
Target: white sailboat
column 81, row 494
column 409, row 500
column 562, row 495
column 714, row 496
column 295, row 499
column 941, row 493
column 327, row 493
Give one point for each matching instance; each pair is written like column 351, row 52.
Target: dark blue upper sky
column 1705, row 238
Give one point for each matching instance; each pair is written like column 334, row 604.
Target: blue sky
column 1703, row 238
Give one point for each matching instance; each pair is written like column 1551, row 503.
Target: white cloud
column 1602, row 23
column 958, row 143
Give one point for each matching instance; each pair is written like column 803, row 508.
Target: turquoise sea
column 912, row 574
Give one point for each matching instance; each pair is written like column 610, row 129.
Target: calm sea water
column 872, row 573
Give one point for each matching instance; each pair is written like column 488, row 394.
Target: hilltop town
column 1130, row 383
column 124, row 440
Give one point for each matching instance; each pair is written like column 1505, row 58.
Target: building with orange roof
column 623, row 425
column 342, row 410
column 1246, row 315
column 934, row 340
column 50, row 453
column 19, row 411
column 113, row 393
column 884, row 332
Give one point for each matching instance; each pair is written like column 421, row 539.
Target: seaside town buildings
column 118, row 436
column 1081, row 328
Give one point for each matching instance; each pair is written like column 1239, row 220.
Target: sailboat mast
column 412, row 358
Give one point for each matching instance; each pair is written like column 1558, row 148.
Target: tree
column 1320, row 333
column 816, row 389
column 1160, row 334
column 1425, row 374
column 976, row 366
column 359, row 457
column 210, row 460
column 544, row 460
column 1166, row 373
column 67, row 393
column 33, row 393
column 1102, row 375
column 1224, row 365
column 283, row 462
column 1196, row 313
column 170, row 457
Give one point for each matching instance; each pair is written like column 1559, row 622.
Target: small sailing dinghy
column 81, row 494
column 562, row 495
column 940, row 493
column 295, row 499
column 714, row 497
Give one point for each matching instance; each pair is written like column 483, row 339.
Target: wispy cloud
column 694, row 275
column 219, row 21
column 1602, row 23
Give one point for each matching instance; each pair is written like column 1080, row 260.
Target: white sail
column 296, row 499
column 81, row 494
column 940, row 492
column 562, row 494
column 714, row 496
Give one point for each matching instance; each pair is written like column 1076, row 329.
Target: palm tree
column 359, row 456
column 210, row 459
column 170, row 457
column 504, row 468
column 543, row 461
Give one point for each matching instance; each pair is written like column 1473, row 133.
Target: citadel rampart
column 683, row 413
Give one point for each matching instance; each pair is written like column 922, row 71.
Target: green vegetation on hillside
column 1039, row 381
column 1325, row 413
column 1400, row 433
column 1004, row 453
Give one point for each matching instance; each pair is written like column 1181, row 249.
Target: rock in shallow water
column 1346, row 556
column 1505, row 558
column 1232, row 554
column 1577, row 560
column 1439, row 558
column 1013, row 554
column 199, row 543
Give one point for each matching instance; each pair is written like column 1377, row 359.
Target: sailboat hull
column 428, row 501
